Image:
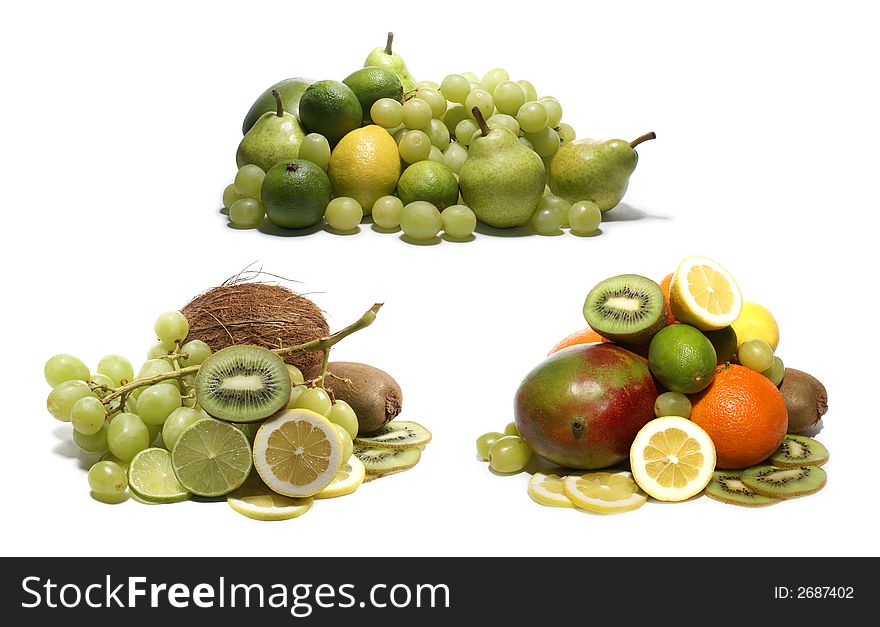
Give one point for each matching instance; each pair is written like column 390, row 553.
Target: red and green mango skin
column 583, row 406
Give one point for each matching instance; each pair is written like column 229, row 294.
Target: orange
column 664, row 287
column 584, row 336
column 743, row 413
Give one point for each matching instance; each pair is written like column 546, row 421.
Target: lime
column 365, row 166
column 211, row 458
column 682, row 358
column 430, row 181
column 256, row 500
column 151, row 477
column 330, row 108
column 347, row 480
column 372, row 83
column 295, row 194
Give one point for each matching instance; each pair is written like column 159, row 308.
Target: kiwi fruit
column 627, row 308
column 396, row 434
column 799, row 450
column 727, row 486
column 784, row 483
column 243, row 384
column 805, row 398
column 384, row 461
column 373, row 394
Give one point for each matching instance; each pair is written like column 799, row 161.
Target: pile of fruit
column 238, row 421
column 421, row 157
column 680, row 380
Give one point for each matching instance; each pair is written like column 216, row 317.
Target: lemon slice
column 604, row 492
column 672, row 458
column 255, row 500
column 151, row 477
column 548, row 490
column 347, row 480
column 703, row 294
column 297, row 452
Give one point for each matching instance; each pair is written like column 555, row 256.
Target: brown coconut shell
column 241, row 311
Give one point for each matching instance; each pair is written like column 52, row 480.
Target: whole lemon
column 365, row 165
column 755, row 322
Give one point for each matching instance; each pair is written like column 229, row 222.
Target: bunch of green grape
column 242, row 197
column 506, row 452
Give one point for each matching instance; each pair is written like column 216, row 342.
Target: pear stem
column 478, row 116
column 279, row 107
column 388, row 43
column 642, row 138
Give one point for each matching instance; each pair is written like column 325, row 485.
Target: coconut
column 245, row 311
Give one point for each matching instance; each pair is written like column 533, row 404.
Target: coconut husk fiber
column 245, row 311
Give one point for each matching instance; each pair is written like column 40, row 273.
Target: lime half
column 151, row 477
column 211, row 458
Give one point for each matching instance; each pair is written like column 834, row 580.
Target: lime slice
column 255, row 500
column 604, row 492
column 211, row 458
column 548, row 490
column 347, row 480
column 151, row 477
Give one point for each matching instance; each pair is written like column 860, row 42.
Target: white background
column 120, row 128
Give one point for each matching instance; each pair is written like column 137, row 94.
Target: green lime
column 151, row 477
column 682, row 358
column 430, row 181
column 330, row 108
column 212, row 458
column 295, row 194
column 724, row 342
column 370, row 84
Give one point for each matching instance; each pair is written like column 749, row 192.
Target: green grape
column 63, row 367
column 94, row 443
column 343, row 415
column 194, row 353
column 485, row 442
column 230, row 195
column 63, row 397
column 465, row 131
column 344, row 214
column 417, row 114
column 347, row 444
column 525, row 142
column 471, row 77
column 475, row 85
column 249, row 181
column 154, row 431
column 545, row 142
column 481, row 99
column 400, row 134
column 127, row 436
column 493, row 78
column 532, row 117
column 672, row 404
column 554, row 111
column 435, row 155
column 776, row 372
column 171, row 327
column 88, row 415
column 296, row 375
column 509, row 454
column 438, row 134
column 247, row 213
column 117, row 367
column 503, row 120
column 529, row 90
column 547, row 190
column 547, row 220
column 101, row 383
column 315, row 399
column 107, row 478
column 454, row 115
column 315, row 148
column 295, row 393
column 177, row 421
column 566, row 133
column 426, row 85
column 510, row 429
column 435, row 100
column 584, row 217
column 454, row 156
column 455, row 88
column 386, row 112
column 387, row 211
column 559, row 203
column 157, row 351
column 153, row 367
column 157, row 402
column 509, row 97
column 421, row 221
column 756, row 355
column 414, row 146
column 459, row 221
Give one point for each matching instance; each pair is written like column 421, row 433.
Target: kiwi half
column 727, row 487
column 384, row 461
column 396, row 434
column 243, row 383
column 799, row 450
column 627, row 308
column 784, row 483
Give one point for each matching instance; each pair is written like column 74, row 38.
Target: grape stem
column 388, row 43
column 279, row 106
column 321, row 344
column 642, row 138
column 478, row 116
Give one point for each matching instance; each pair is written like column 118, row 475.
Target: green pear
column 385, row 57
column 274, row 137
column 291, row 90
column 594, row 170
column 502, row 180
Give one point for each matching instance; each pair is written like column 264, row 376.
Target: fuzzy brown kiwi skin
column 373, row 394
column 805, row 398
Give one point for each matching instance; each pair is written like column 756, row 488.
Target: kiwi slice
column 243, row 383
column 784, row 483
column 799, row 450
column 727, row 486
column 396, row 434
column 627, row 308
column 384, row 461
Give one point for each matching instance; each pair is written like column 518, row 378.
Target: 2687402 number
column 825, row 592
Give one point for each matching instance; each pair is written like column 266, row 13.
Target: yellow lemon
column 756, row 323
column 365, row 165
